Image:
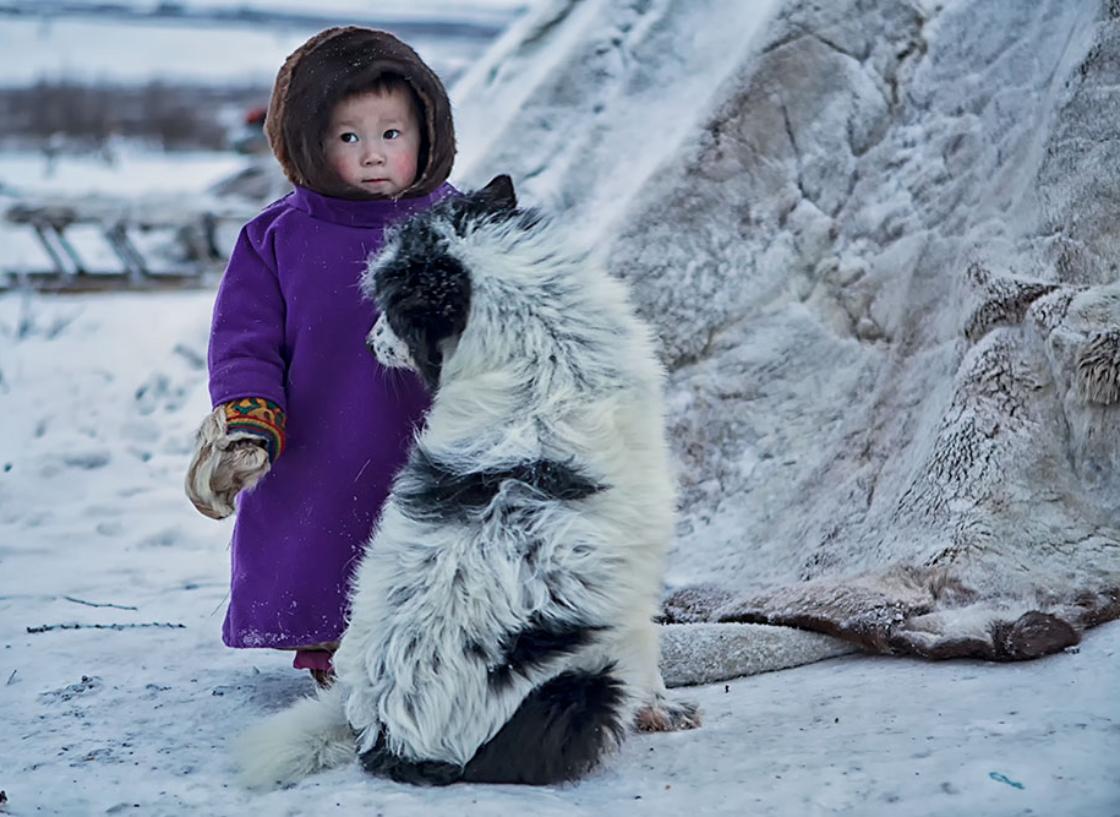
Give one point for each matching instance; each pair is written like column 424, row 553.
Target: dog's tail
column 559, row 733
column 311, row 735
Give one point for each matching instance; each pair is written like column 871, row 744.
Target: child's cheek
column 406, row 165
column 408, row 168
column 336, row 162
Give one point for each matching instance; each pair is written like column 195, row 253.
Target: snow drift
column 878, row 241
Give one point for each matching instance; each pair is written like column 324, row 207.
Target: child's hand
column 223, row 464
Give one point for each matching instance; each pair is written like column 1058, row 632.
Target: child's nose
column 372, row 156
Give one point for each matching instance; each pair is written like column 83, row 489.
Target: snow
column 100, row 395
column 823, row 739
column 92, row 50
column 106, row 51
column 109, row 49
column 433, row 8
column 639, row 82
column 95, row 250
column 126, row 170
column 494, row 11
column 21, row 250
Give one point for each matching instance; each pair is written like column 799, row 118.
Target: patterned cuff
column 261, row 418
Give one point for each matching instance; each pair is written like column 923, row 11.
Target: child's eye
column 392, row 133
column 349, row 137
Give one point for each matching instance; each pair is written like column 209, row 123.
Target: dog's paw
column 664, row 715
column 382, row 762
column 362, row 714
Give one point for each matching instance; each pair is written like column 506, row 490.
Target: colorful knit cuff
column 261, row 418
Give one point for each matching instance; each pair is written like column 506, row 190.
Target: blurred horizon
column 79, row 75
column 122, row 100
column 219, row 41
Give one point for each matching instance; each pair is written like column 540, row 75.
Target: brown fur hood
column 331, row 65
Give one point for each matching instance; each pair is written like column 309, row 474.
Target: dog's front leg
column 658, row 710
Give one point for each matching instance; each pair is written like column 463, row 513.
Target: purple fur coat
column 289, row 325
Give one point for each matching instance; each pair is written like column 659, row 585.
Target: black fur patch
column 496, row 200
column 559, row 733
column 425, row 296
column 431, row 491
column 424, row 292
column 533, row 647
column 467, row 212
column 382, row 762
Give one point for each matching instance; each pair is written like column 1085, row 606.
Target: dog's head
column 479, row 291
column 421, row 285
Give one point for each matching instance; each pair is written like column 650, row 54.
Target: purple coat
column 290, row 324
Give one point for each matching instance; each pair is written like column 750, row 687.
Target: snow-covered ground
column 98, row 398
column 108, row 48
column 125, row 170
column 117, row 696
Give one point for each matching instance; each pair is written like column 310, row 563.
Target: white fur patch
column 389, row 349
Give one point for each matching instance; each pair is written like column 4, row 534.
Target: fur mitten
column 225, row 462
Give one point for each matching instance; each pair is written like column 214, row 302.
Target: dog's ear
column 498, row 194
column 494, row 202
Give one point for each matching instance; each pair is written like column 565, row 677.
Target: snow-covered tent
column 879, row 241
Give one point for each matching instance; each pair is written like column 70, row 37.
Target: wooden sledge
column 98, row 244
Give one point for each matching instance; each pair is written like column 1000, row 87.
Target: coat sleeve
column 259, row 419
column 246, row 356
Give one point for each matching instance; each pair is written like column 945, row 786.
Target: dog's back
column 501, row 626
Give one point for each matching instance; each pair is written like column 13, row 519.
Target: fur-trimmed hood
column 328, row 67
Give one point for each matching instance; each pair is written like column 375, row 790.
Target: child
column 303, row 413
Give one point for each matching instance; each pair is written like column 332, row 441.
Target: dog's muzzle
column 389, row 349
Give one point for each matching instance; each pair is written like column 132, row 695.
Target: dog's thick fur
column 502, row 617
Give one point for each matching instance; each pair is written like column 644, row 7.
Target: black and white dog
column 502, row 616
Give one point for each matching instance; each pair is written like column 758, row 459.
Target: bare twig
column 11, row 678
column 225, row 598
column 99, row 603
column 43, row 628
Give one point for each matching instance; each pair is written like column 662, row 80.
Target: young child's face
column 373, row 142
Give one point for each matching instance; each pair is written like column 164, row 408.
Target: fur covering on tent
column 879, row 243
